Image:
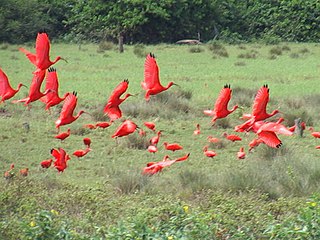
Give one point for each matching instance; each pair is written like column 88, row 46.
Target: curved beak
column 64, row 59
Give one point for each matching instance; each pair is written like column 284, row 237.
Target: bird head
column 21, row 85
column 60, row 58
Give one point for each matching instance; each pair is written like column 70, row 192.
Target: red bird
column 103, row 124
column 197, row 131
column 66, row 115
column 24, row 172
column 172, row 147
column 152, row 149
column 213, row 139
column 52, row 98
column 316, row 134
column 46, row 163
column 9, row 174
column 259, row 109
column 221, row 106
column 61, row 158
column 90, row 126
column 150, row 125
column 112, row 107
column 34, row 91
column 6, row 91
column 154, row 141
column 87, row 142
column 151, row 81
column 318, row 147
column 232, row 137
column 126, row 128
column 41, row 59
column 209, row 153
column 142, row 133
column 62, row 136
column 81, row 153
column 241, row 154
column 254, row 143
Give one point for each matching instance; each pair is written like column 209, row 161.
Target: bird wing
column 42, row 47
column 69, row 105
column 223, row 99
column 260, row 102
column 37, row 80
column 270, row 138
column 151, row 73
column 32, row 57
column 4, row 82
column 275, row 127
column 113, row 112
column 51, row 83
column 118, row 91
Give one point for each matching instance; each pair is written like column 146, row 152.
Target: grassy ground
column 104, row 194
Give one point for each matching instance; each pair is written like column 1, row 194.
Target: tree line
column 148, row 21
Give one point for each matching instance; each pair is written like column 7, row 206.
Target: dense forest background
column 148, row 21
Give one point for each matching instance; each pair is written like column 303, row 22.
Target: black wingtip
column 51, row 69
column 279, row 145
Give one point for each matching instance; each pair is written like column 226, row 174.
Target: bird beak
column 176, row 84
column 64, row 59
column 24, row 86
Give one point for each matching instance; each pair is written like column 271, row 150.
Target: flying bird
column 220, row 109
column 52, row 98
column 41, row 58
column 126, row 128
column 61, row 158
column 66, row 115
column 35, row 91
column 112, row 107
column 6, row 91
column 151, row 83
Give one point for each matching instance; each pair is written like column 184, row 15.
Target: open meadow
column 271, row 194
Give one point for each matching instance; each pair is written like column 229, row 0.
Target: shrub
column 196, row 49
column 140, row 50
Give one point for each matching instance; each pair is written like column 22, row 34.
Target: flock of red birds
column 266, row 132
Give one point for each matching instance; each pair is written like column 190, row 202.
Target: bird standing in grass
column 241, row 154
column 46, row 163
column 112, row 107
column 220, row 109
column 197, row 131
column 66, row 115
column 150, row 125
column 6, row 91
column 154, row 140
column 62, row 136
column 232, row 137
column 172, row 146
column 41, row 58
column 209, row 153
column 81, row 153
column 151, row 83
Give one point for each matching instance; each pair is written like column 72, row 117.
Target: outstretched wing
column 223, row 99
column 37, row 80
column 42, row 47
column 113, row 112
column 260, row 102
column 4, row 82
column 270, row 138
column 118, row 91
column 32, row 57
column 69, row 105
column 151, row 73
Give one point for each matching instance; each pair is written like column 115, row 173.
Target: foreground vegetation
column 273, row 193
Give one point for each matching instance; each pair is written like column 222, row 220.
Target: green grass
column 103, row 195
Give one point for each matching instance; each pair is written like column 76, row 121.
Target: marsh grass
column 135, row 141
column 218, row 50
column 140, row 50
column 243, row 96
column 194, row 180
column 277, row 50
column 196, row 49
column 105, row 46
column 130, row 182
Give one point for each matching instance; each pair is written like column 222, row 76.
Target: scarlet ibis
column 112, row 107
column 41, row 58
column 259, row 109
column 151, row 82
column 318, row 147
column 52, row 98
column 241, row 154
column 61, row 158
column 232, row 137
column 213, row 139
column 66, row 115
column 154, row 140
column 316, row 134
column 90, row 126
column 254, row 143
column 81, row 153
column 87, row 142
column 197, row 131
column 62, row 136
column 208, row 153
column 152, row 149
column 172, row 146
column 24, row 172
column 6, row 91
column 150, row 125
column 34, row 91
column 220, row 109
column 126, row 128
column 9, row 174
column 46, row 163
column 103, row 124
column 142, row 133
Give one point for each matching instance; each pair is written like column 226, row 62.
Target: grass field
column 273, row 193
